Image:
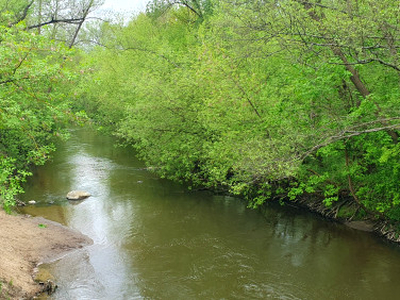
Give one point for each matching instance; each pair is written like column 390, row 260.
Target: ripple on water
column 153, row 240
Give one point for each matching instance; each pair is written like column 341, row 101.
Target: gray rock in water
column 77, row 195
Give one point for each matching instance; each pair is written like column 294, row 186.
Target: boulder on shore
column 77, row 195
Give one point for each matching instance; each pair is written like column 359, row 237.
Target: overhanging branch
column 345, row 135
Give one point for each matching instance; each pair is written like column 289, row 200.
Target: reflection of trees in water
column 53, row 212
column 156, row 238
column 49, row 183
column 332, row 252
column 294, row 224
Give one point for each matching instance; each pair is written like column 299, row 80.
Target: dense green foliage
column 265, row 99
column 33, row 99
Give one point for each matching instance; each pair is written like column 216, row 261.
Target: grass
column 3, row 293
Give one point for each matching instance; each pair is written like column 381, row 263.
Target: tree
column 266, row 99
column 60, row 20
column 359, row 37
column 200, row 8
column 34, row 80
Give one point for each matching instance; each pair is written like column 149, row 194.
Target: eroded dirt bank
column 26, row 242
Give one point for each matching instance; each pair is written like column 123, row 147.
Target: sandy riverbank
column 26, row 242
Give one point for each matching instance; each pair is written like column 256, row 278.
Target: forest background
column 269, row 100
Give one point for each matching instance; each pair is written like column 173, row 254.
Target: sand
column 26, row 242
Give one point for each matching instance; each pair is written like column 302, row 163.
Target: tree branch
column 24, row 13
column 85, row 14
column 345, row 135
column 368, row 61
column 185, row 3
column 76, row 21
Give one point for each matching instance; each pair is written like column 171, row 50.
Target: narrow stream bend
column 155, row 240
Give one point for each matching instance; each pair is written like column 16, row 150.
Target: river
column 153, row 239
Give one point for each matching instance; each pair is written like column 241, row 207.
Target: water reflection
column 154, row 240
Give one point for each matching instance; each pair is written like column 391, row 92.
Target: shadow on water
column 155, row 240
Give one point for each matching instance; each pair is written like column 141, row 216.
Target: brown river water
column 153, row 239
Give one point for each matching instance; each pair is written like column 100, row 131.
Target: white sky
column 125, row 6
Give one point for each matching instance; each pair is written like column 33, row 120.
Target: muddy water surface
column 155, row 240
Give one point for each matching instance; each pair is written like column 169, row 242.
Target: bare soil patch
column 25, row 242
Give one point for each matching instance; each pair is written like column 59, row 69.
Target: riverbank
column 27, row 242
column 346, row 213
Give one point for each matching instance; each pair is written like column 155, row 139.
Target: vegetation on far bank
column 264, row 99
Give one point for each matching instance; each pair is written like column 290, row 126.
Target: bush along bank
column 35, row 81
column 30, row 116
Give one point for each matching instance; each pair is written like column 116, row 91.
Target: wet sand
column 25, row 243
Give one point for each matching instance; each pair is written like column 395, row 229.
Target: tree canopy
column 266, row 99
